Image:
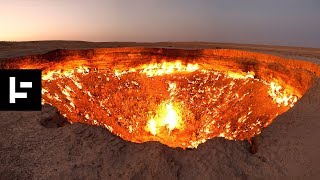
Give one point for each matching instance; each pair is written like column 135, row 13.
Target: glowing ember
column 178, row 103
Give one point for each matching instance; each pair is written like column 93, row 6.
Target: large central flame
column 168, row 115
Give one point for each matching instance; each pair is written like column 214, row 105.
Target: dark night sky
column 278, row 22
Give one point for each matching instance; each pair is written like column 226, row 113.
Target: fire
column 54, row 74
column 168, row 115
column 186, row 106
column 152, row 126
column 159, row 69
column 237, row 75
column 172, row 118
column 281, row 96
column 141, row 97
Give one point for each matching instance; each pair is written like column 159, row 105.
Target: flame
column 152, row 126
column 281, row 96
column 238, row 75
column 159, row 69
column 54, row 74
column 168, row 115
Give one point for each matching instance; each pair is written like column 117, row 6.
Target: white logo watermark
column 13, row 94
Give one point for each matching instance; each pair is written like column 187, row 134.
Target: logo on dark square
column 20, row 90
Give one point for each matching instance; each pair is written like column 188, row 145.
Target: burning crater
column 180, row 98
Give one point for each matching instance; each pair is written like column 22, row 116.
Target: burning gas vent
column 178, row 100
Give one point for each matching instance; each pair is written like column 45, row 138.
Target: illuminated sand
column 180, row 98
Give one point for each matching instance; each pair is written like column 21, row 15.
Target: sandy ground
column 289, row 147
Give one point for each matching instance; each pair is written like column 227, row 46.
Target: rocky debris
column 254, row 144
column 51, row 117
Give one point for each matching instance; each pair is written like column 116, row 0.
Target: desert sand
column 33, row 149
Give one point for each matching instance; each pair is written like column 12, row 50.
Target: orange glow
column 176, row 102
column 159, row 69
column 170, row 118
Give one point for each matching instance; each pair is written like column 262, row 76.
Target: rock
column 51, row 118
